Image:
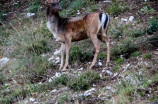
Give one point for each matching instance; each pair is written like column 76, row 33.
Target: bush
column 83, row 81
column 77, row 53
column 153, row 26
column 135, row 54
column 34, row 6
column 147, row 56
column 116, row 8
column 126, row 48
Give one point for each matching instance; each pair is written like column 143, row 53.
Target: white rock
column 89, row 92
column 124, row 20
column 53, row 91
column 57, row 74
column 80, row 69
column 78, row 12
column 100, row 64
column 40, row 83
column 27, row 15
column 26, row 102
column 51, row 58
column 57, row 60
column 4, row 14
column 32, row 99
column 115, row 74
column 103, row 70
column 107, row 1
column 131, row 18
column 4, row 61
column 108, row 88
column 57, row 52
column 36, row 103
column 101, row 76
column 109, row 72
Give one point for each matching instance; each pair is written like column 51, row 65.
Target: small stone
column 89, row 92
column 131, row 18
column 57, row 52
column 109, row 72
column 80, row 69
column 32, row 99
column 100, row 64
column 108, row 88
column 53, row 91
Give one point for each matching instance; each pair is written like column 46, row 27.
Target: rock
column 57, row 52
column 100, row 64
column 131, row 18
column 109, row 72
column 80, row 69
column 32, row 99
column 89, row 92
column 56, row 76
column 124, row 20
column 4, row 61
column 53, row 91
column 108, row 88
column 27, row 15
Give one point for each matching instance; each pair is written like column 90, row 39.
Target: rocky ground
column 130, row 78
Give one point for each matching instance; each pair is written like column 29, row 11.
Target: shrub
column 126, row 48
column 147, row 56
column 153, row 26
column 138, row 33
column 77, row 53
column 83, row 81
column 34, row 6
column 119, row 61
column 116, row 8
column 135, row 54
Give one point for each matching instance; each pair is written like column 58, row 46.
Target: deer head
column 53, row 5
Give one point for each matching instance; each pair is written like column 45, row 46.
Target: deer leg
column 62, row 51
column 108, row 51
column 106, row 39
column 97, row 45
column 68, row 45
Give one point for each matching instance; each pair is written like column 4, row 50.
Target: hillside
column 30, row 56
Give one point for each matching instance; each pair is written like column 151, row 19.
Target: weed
column 83, row 81
column 135, row 54
column 126, row 49
column 146, row 10
column 78, row 54
column 147, row 56
column 119, row 61
column 101, row 56
column 34, row 6
column 63, row 98
column 153, row 26
column 116, row 68
column 138, row 33
column 116, row 8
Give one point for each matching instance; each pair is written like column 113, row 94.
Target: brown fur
column 67, row 30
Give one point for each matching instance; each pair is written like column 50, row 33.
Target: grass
column 83, row 81
column 116, row 8
column 147, row 56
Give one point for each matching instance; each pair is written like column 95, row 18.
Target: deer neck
column 52, row 22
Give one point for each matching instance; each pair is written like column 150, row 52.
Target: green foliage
column 83, row 81
column 63, row 98
column 135, row 54
column 153, row 26
column 138, row 33
column 34, row 6
column 151, row 43
column 147, row 56
column 77, row 53
column 126, row 48
column 72, row 7
column 119, row 61
column 146, row 10
column 2, row 16
column 102, row 55
column 116, row 8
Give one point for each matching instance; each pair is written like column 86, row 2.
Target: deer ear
column 44, row 2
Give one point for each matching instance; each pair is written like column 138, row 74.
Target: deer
column 93, row 25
